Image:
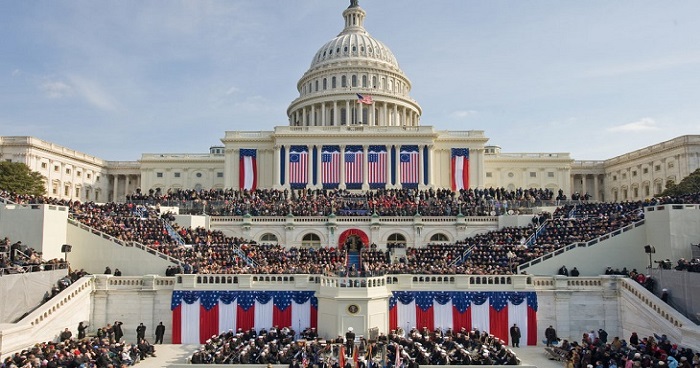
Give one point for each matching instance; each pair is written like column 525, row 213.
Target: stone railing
column 573, row 246
column 123, row 243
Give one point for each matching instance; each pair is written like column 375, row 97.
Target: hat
column 350, row 328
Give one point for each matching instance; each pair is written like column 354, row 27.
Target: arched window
column 333, row 84
column 439, row 237
column 268, row 238
column 396, row 238
column 364, row 81
column 374, row 81
column 325, row 84
column 316, row 90
column 311, row 241
column 354, row 81
column 344, row 81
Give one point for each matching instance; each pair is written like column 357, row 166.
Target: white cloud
column 16, row 72
column 462, row 114
column 56, row 89
column 645, row 66
column 641, row 125
column 232, row 90
column 93, row 93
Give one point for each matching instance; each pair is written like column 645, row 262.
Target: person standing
column 140, row 332
column 81, row 330
column 160, row 331
column 349, row 341
column 117, row 330
column 515, row 336
column 550, row 335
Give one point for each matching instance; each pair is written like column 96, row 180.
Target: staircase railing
column 173, row 234
column 533, row 238
column 465, row 255
column 123, row 243
column 240, row 253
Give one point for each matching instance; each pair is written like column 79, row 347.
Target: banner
column 198, row 315
column 408, row 159
column 298, row 166
column 493, row 312
column 330, row 166
column 354, row 157
column 460, row 168
column 248, row 169
column 377, row 166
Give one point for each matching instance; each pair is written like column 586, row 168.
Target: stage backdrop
column 198, row 315
column 494, row 312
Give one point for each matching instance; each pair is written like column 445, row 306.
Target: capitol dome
column 352, row 66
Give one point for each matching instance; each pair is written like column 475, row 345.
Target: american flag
column 353, row 165
column 364, row 99
column 409, row 164
column 298, row 165
column 330, row 166
column 376, row 166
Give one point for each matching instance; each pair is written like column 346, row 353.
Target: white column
column 388, row 165
column 341, row 185
column 310, row 166
column 336, row 115
column 396, row 116
column 236, row 164
column 323, row 114
column 365, row 168
column 596, row 189
column 313, row 115
column 431, row 165
column 404, row 121
column 347, row 113
column 114, row 189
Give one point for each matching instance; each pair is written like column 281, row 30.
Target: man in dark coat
column 117, row 330
column 349, row 341
column 515, row 336
column 551, row 335
column 140, row 332
column 160, row 331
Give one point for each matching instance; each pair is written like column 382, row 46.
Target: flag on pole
column 354, row 357
column 364, row 99
column 341, row 356
column 460, row 168
column 248, row 169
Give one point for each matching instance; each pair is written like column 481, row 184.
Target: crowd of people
column 596, row 350
column 323, row 202
column 101, row 351
column 16, row 257
column 398, row 348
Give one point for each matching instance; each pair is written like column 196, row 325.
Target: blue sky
column 116, row 79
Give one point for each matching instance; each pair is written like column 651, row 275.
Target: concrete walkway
column 168, row 355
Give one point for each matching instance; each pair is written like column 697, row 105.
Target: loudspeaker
column 66, row 248
column 649, row 249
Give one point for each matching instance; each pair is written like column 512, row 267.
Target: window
column 439, row 237
column 316, row 86
column 66, row 190
column 634, row 173
column 364, row 81
column 489, row 174
column 646, row 170
column 199, row 175
column 44, row 165
column 68, row 171
column 533, row 174
column 177, row 174
column 354, row 81
column 646, row 191
column 614, row 177
column 159, row 175
column 396, row 238
column 624, row 176
column 670, row 165
column 636, row 192
column 268, row 238
column 333, row 82
column 657, row 168
column 344, row 81
column 219, row 175
column 311, row 241
column 77, row 192
column 55, row 168
column 97, row 178
column 325, row 84
column 550, row 174
column 78, row 173
column 89, row 175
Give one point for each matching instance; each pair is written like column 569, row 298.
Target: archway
column 353, row 239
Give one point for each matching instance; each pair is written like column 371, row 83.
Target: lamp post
column 649, row 249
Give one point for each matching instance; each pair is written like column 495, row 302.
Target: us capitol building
column 355, row 126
